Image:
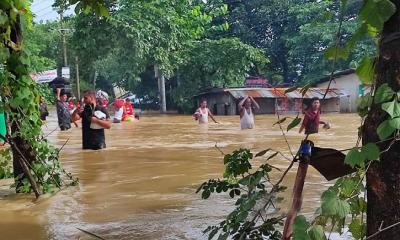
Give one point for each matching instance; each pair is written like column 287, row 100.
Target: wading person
column 128, row 110
column 63, row 114
column 312, row 116
column 118, row 110
column 43, row 109
column 202, row 113
column 247, row 106
column 95, row 119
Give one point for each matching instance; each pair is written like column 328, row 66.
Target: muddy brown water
column 143, row 185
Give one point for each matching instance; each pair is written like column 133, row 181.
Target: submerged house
column 223, row 101
column 348, row 81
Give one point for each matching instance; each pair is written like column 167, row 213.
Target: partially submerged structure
column 223, row 101
column 348, row 81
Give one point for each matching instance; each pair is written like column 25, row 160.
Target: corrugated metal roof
column 280, row 93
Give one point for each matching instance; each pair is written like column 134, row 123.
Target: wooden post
column 297, row 197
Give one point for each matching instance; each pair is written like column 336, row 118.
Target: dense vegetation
column 199, row 45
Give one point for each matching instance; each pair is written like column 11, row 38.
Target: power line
column 37, row 3
column 45, row 14
column 41, row 10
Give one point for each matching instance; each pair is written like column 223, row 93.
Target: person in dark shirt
column 312, row 116
column 63, row 114
column 95, row 119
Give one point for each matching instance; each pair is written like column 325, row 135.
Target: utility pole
column 78, row 88
column 64, row 43
column 161, row 88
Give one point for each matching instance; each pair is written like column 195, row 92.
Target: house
column 223, row 101
column 348, row 81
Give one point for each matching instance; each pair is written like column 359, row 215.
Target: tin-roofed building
column 223, row 101
column 348, row 81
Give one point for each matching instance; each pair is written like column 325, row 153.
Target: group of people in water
column 92, row 110
column 248, row 106
column 95, row 117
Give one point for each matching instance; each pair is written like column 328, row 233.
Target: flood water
column 143, row 185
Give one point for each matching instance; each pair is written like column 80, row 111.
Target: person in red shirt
column 128, row 109
column 312, row 117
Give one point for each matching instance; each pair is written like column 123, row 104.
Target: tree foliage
column 295, row 34
column 141, row 34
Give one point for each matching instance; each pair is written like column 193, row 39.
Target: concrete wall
column 350, row 83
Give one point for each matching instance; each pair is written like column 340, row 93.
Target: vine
column 36, row 163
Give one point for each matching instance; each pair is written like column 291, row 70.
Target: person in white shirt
column 246, row 110
column 202, row 113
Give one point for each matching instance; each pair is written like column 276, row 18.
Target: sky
column 43, row 10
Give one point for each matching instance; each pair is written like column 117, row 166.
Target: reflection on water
column 142, row 186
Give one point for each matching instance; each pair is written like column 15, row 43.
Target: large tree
column 141, row 34
column 294, row 34
column 383, row 181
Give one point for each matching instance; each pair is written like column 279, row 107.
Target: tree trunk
column 383, row 177
column 161, row 88
column 23, row 154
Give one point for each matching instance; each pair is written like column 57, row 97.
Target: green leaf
column 377, row 12
column 294, row 123
column 354, row 158
column 280, row 121
column 349, row 186
column 334, row 52
column 103, row 11
column 392, row 108
column 205, row 194
column 334, row 207
column 4, row 54
column 232, row 193
column 304, row 89
column 358, row 206
column 263, row 152
column 370, row 151
column 316, row 232
column 273, row 155
column 357, row 229
column 213, row 233
column 241, row 217
column 395, row 123
column 223, row 236
column 366, row 70
column 300, row 227
column 291, row 89
column 385, row 129
column 384, row 94
column 249, row 205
